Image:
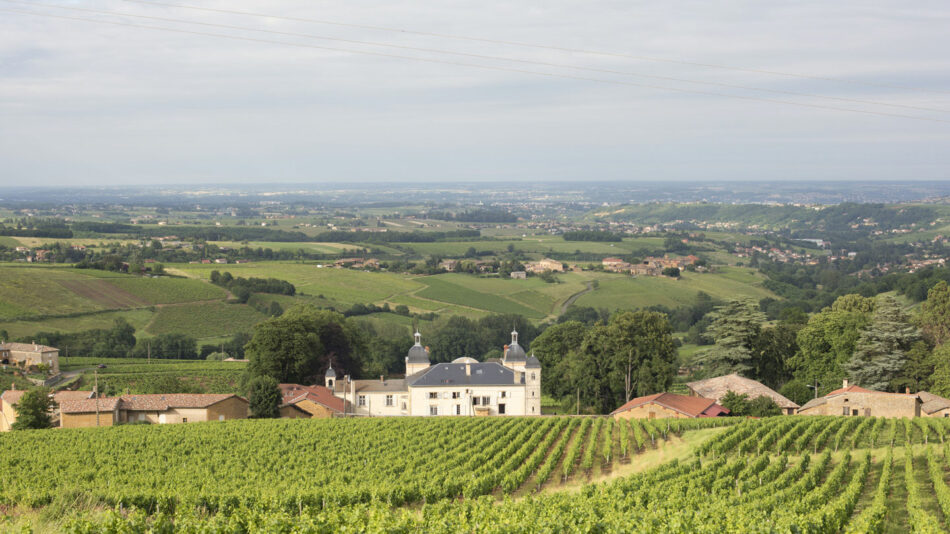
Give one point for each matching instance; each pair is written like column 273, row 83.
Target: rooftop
column 716, row 388
column 691, row 406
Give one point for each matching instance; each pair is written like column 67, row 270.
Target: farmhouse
column 855, row 400
column 716, row 388
column 663, row 405
column 310, row 402
column 545, row 264
column 10, row 398
column 29, row 354
column 465, row 386
column 157, row 408
column 616, row 265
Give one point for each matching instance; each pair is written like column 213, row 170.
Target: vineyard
column 783, row 474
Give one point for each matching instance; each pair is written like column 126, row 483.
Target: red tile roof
column 294, row 393
column 12, row 396
column 144, row 403
column 690, row 406
column 106, row 404
column 854, row 389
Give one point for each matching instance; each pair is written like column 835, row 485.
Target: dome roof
column 330, row 373
column 418, row 353
column 532, row 363
column 465, row 359
column 514, row 353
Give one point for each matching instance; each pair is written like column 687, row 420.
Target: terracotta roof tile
column 27, row 347
column 691, row 406
column 106, row 404
column 12, row 396
column 294, row 393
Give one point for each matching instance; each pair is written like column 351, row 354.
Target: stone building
column 29, row 354
column 668, row 405
column 156, row 409
column 716, row 388
column 855, row 400
column 463, row 387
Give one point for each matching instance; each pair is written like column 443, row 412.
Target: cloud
column 84, row 103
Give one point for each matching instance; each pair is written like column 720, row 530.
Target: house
column 933, row 405
column 855, row 400
column 448, row 265
column 545, row 264
column 519, row 275
column 156, row 408
column 306, row 402
column 10, row 398
column 29, row 354
column 716, row 388
column 664, row 405
column 616, row 265
column 510, row 387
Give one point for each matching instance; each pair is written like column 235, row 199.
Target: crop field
column 139, row 375
column 204, row 319
column 101, row 320
column 619, row 292
column 782, row 474
column 30, row 291
column 321, row 248
column 537, row 245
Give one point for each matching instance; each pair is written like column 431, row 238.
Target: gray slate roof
column 453, row 374
column 532, row 363
column 418, row 354
column 515, row 353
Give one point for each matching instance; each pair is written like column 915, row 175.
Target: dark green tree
column 881, row 352
column 642, row 353
column 264, row 398
column 34, row 410
column 772, row 349
column 934, row 316
column 735, row 326
column 298, row 346
column 797, row 392
column 552, row 348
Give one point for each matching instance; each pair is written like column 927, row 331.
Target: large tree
column 772, row 350
column 881, row 352
column 299, row 345
column 552, row 349
column 934, row 316
column 642, row 353
column 735, row 326
column 827, row 342
column 34, row 410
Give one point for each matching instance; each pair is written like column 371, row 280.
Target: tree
column 264, row 398
column 742, row 405
column 642, row 353
column 827, row 342
column 934, row 316
column 456, row 337
column 672, row 272
column 734, row 328
column 796, row 391
column 552, row 348
column 298, row 346
column 940, row 382
column 34, row 410
column 773, row 347
column 881, row 351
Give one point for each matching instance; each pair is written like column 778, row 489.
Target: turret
column 532, row 383
column 330, row 377
column 418, row 357
column 514, row 356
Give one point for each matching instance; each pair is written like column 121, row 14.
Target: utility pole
column 149, row 352
column 578, row 408
column 96, row 375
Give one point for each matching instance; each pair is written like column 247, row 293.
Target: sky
column 88, row 103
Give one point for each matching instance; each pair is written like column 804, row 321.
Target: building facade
column 29, row 354
column 464, row 387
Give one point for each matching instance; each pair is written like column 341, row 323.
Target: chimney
column 845, row 383
column 518, row 375
column 468, row 369
column 381, row 381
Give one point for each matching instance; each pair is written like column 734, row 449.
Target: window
column 854, row 412
column 532, row 394
column 501, row 409
column 652, row 415
column 845, row 410
column 532, row 409
column 458, row 409
column 532, row 376
column 389, row 400
column 361, row 400
column 330, row 383
column 220, row 418
column 184, row 419
column 433, row 395
column 433, row 410
column 946, row 415
column 503, row 394
column 456, row 395
column 475, row 400
column 486, row 400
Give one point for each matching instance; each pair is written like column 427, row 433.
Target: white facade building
column 463, row 387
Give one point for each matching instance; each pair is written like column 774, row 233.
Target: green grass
column 9, row 242
column 168, row 290
column 204, row 320
column 537, row 245
column 624, row 292
column 456, row 290
column 19, row 329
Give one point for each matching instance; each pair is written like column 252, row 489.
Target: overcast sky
column 83, row 103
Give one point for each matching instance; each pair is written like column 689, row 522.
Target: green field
column 536, row 245
column 205, row 319
column 104, row 320
column 553, row 474
column 625, row 292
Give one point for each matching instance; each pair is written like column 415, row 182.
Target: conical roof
column 515, row 353
column 330, row 373
column 532, row 363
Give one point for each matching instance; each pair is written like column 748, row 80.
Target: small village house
column 310, row 402
column 716, row 388
column 10, row 398
column 855, row 400
column 26, row 355
column 668, row 405
column 156, row 409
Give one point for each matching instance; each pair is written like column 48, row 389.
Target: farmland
column 805, row 474
column 139, row 375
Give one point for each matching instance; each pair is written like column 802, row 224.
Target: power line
column 545, row 47
column 478, row 66
column 489, row 57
